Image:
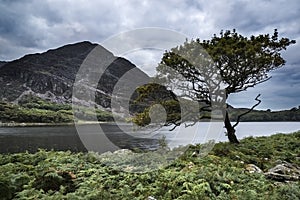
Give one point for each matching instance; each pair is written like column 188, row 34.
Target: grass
column 219, row 175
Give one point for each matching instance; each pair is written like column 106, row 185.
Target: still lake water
column 20, row 139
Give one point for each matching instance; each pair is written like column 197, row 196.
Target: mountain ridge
column 2, row 63
column 50, row 75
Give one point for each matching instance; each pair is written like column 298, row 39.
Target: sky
column 31, row 26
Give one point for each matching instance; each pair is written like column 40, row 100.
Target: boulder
column 123, row 152
column 284, row 172
column 251, row 168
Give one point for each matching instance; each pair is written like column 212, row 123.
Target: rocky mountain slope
column 2, row 63
column 51, row 75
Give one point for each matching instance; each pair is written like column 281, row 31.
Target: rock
column 105, row 154
column 151, row 198
column 251, row 168
column 51, row 75
column 195, row 154
column 284, row 172
column 2, row 63
column 122, row 151
column 190, row 165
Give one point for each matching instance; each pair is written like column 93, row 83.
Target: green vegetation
column 221, row 174
column 268, row 115
column 33, row 114
column 36, row 110
column 32, row 109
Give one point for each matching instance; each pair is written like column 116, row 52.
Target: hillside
column 2, row 63
column 265, row 115
column 51, row 75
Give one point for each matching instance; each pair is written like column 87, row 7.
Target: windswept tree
column 240, row 62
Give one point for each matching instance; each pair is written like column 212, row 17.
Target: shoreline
column 37, row 124
column 34, row 124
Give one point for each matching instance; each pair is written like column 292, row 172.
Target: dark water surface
column 20, row 139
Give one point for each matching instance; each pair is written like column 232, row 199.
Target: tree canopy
column 201, row 68
column 242, row 61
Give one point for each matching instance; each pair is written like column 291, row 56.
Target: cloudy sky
column 30, row 26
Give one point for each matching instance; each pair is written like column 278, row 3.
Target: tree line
column 265, row 115
column 32, row 109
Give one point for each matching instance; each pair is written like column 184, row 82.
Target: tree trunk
column 230, row 130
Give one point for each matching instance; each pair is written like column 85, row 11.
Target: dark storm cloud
column 292, row 54
column 33, row 26
column 23, row 22
column 282, row 91
column 21, row 27
column 256, row 15
column 14, row 26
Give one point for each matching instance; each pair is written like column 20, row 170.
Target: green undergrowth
column 32, row 109
column 219, row 175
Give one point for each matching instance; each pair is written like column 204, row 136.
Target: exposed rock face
column 284, row 172
column 53, row 71
column 51, row 75
column 2, row 63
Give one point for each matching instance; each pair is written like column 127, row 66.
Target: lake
column 20, row 139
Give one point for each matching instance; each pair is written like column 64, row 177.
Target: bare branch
column 191, row 124
column 245, row 113
column 248, row 85
column 175, row 126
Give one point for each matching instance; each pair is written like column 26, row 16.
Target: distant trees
column 15, row 113
column 260, row 115
column 242, row 62
column 32, row 109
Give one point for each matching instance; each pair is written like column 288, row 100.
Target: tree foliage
column 241, row 61
column 245, row 62
column 150, row 95
column 199, row 69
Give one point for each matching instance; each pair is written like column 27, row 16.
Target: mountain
column 51, row 75
column 2, row 63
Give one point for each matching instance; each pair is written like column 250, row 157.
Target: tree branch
column 245, row 113
column 175, row 125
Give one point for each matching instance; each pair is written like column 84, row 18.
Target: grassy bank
column 222, row 174
column 27, row 124
column 34, row 110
